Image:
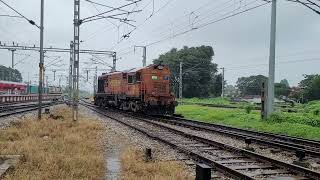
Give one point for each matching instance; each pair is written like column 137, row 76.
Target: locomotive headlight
column 160, row 67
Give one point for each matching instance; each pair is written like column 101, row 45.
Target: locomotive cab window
column 138, row 76
column 154, row 77
column 130, row 79
column 166, row 78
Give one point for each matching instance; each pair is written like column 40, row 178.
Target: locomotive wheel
column 99, row 103
column 125, row 106
column 133, row 107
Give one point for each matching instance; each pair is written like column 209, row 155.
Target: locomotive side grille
column 160, row 88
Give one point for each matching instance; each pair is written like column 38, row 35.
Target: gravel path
column 118, row 137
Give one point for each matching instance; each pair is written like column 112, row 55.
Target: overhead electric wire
column 221, row 5
column 29, row 20
column 90, row 17
column 175, row 20
column 313, row 3
column 227, row 17
column 277, row 62
column 11, row 16
column 307, row 5
column 205, row 24
column 202, row 25
column 109, row 16
column 148, row 18
column 105, row 5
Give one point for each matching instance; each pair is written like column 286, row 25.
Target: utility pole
column 12, row 57
column 47, row 85
column 70, row 70
column 144, row 56
column 41, row 60
column 12, row 62
column 54, row 74
column 95, row 81
column 270, row 96
column 114, row 62
column 87, row 71
column 222, row 83
column 180, row 84
column 60, row 80
column 76, row 45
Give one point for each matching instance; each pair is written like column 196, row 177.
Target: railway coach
column 145, row 89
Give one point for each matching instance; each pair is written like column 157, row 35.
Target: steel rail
column 23, row 109
column 258, row 138
column 282, row 165
column 293, row 144
column 277, row 138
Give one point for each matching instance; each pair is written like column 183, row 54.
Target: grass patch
column 214, row 101
column 286, row 124
column 134, row 168
column 218, row 102
column 55, row 149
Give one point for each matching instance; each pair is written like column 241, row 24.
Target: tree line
column 201, row 78
column 9, row 74
column 308, row 89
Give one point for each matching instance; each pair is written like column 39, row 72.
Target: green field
column 304, row 124
column 216, row 102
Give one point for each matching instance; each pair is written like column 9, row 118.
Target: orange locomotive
column 146, row 89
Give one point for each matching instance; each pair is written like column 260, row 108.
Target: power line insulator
column 32, row 22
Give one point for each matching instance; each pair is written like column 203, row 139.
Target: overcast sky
column 241, row 43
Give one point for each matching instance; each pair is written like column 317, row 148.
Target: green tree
column 285, row 82
column 250, row 85
column 281, row 89
column 198, row 70
column 9, row 74
column 310, row 86
column 217, row 85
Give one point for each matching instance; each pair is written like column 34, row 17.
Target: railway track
column 12, row 109
column 235, row 162
column 294, row 144
column 309, row 147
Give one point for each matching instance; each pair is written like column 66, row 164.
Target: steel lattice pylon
column 76, row 44
column 71, row 70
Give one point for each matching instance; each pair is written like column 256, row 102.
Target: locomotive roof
column 127, row 71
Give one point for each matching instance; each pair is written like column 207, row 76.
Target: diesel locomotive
column 145, row 90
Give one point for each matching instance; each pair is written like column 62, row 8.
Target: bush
column 248, row 108
column 276, row 117
column 307, row 119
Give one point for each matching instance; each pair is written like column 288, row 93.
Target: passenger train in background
column 145, row 89
column 8, row 87
column 13, row 92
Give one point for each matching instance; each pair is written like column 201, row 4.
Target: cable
column 105, row 5
column 206, row 24
column 306, row 5
column 29, row 20
column 165, row 25
column 277, row 62
column 313, row 3
column 186, row 31
column 90, row 17
column 127, row 35
column 4, row 15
